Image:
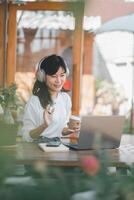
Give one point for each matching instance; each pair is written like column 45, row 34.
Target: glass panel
column 113, row 71
column 41, row 33
column 24, row 1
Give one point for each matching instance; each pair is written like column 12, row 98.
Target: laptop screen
column 102, row 131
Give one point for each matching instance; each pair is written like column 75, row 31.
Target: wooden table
column 29, row 153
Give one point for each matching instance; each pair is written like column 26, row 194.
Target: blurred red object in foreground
column 90, row 164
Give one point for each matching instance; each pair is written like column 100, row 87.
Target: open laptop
column 99, row 132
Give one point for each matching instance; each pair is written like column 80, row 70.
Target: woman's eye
column 62, row 75
column 54, row 76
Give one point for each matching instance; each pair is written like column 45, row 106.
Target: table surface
column 28, row 153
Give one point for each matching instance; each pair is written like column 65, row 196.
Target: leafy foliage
column 107, row 185
column 8, row 97
column 62, row 183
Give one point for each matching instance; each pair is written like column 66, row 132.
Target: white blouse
column 33, row 116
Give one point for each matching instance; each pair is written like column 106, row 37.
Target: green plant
column 10, row 103
column 63, row 183
column 107, row 185
column 8, row 97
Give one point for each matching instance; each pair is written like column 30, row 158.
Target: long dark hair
column 50, row 65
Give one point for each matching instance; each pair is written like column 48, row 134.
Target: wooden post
column 11, row 48
column 3, row 41
column 77, row 58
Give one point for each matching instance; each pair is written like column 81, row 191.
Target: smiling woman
column 47, row 111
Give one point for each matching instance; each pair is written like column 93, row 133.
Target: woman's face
column 56, row 81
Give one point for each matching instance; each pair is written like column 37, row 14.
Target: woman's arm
column 35, row 133
column 47, row 116
column 31, row 127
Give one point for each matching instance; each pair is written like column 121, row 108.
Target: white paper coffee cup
column 74, row 121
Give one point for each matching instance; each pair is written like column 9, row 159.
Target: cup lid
column 75, row 117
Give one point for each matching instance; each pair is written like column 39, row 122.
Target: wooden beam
column 77, row 59
column 11, row 48
column 53, row 6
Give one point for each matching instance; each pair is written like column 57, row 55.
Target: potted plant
column 9, row 104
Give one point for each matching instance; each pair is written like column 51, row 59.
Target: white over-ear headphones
column 41, row 73
column 67, row 69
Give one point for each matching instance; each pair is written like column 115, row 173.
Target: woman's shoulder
column 65, row 95
column 33, row 100
column 66, row 98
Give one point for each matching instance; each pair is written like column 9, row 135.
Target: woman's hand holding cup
column 74, row 123
column 74, row 126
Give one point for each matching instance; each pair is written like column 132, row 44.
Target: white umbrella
column 124, row 23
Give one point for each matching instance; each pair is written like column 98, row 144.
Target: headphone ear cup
column 41, row 75
column 67, row 71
